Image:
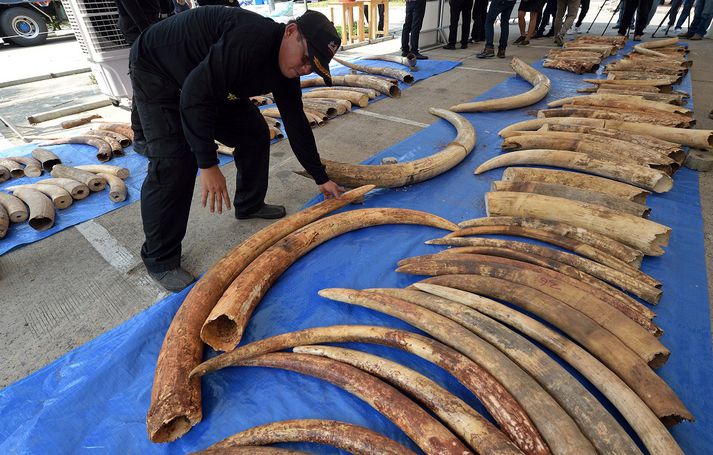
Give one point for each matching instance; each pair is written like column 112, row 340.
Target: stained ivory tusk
column 60, row 197
column 346, row 436
column 409, row 61
column 91, row 180
column 15, row 208
column 33, row 167
column 351, row 80
column 620, row 101
column 117, row 187
column 4, row 221
column 360, row 99
column 122, row 128
column 540, row 88
column 41, row 208
column 396, row 73
column 77, row 190
column 641, row 176
column 104, row 152
column 402, row 174
column 175, row 398
column 47, row 158
column 121, row 172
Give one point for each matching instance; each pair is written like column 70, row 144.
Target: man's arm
column 137, row 13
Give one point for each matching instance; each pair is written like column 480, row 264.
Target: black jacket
column 213, row 54
column 135, row 16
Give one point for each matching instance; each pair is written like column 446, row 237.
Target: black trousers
column 548, row 13
column 167, row 191
column 380, row 9
column 460, row 8
column 630, row 7
column 480, row 10
column 584, row 4
column 415, row 10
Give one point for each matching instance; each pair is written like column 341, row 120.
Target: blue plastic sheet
column 99, row 203
column 96, row 397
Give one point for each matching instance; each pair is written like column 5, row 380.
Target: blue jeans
column 503, row 8
column 415, row 11
column 702, row 20
column 697, row 12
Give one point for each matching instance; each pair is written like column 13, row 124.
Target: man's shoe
column 420, row 56
column 677, row 31
column 578, row 29
column 539, row 35
column 685, row 35
column 488, row 52
column 637, row 38
column 520, row 39
column 550, row 34
column 501, row 52
column 404, row 53
column 696, row 37
column 710, row 115
column 570, row 32
column 559, row 40
column 449, row 46
column 464, row 46
column 267, row 212
column 174, row 280
column 524, row 42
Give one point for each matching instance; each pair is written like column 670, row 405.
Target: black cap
column 322, row 41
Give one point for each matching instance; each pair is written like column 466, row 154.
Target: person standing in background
column 527, row 6
column 675, row 5
column 380, row 8
column 502, row 8
column 415, row 10
column 584, row 9
column 571, row 7
column 180, row 6
column 547, row 15
column 641, row 8
column 480, row 9
column 459, row 8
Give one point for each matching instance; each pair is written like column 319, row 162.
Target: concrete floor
column 71, row 287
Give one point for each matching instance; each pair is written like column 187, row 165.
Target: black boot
column 267, row 211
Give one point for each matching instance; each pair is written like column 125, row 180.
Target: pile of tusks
column 36, row 202
column 584, row 54
column 110, row 139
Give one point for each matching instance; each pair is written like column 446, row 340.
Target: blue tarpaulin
column 95, row 398
column 98, row 204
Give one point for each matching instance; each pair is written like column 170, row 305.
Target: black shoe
column 685, row 35
column 520, row 39
column 449, row 46
column 524, row 42
column 501, row 52
column 710, row 115
column 267, row 212
column 464, row 46
column 420, row 56
column 488, row 52
column 538, row 35
column 174, row 280
column 550, row 34
column 140, row 146
column 404, row 53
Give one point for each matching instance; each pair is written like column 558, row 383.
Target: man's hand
column 215, row 191
column 330, row 189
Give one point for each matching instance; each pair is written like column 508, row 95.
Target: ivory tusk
column 122, row 128
column 121, row 172
column 360, row 99
column 275, row 132
column 260, row 100
column 595, row 422
column 540, row 88
column 601, row 343
column 427, row 432
column 223, row 329
column 645, row 48
column 4, row 173
column 480, row 435
column 576, row 194
column 645, row 235
column 117, row 187
column 396, row 73
column 120, row 138
column 47, row 158
column 104, row 152
column 575, row 294
column 496, row 399
column 33, row 167
column 250, row 450
column 652, row 82
column 620, row 101
column 408, row 61
column 60, row 197
column 647, row 426
column 13, row 166
column 330, row 111
column 615, row 254
column 76, row 189
column 175, row 398
column 630, row 65
column 402, row 174
column 670, row 98
column 372, row 82
column 577, row 65
column 643, row 76
column 15, row 208
column 270, row 120
column 41, row 208
column 371, row 93
column 555, row 425
column 346, row 436
column 116, row 148
column 4, row 221
column 89, row 179
column 655, row 118
column 271, row 112
column 641, row 176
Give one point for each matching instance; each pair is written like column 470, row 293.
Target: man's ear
column 291, row 29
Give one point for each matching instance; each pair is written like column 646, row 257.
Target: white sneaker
column 577, row 29
column 677, row 31
column 570, row 31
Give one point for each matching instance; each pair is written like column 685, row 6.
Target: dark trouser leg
column 406, row 31
column 480, row 10
column 380, row 7
column 673, row 11
column 243, row 127
column 493, row 11
column 505, row 24
column 627, row 15
column 455, row 7
column 418, row 13
column 465, row 13
column 642, row 17
column 585, row 8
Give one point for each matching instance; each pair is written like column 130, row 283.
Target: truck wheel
column 25, row 26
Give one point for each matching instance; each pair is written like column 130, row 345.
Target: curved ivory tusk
column 597, row 247
column 89, row 179
column 596, row 423
column 360, row 99
column 556, row 427
column 646, row 291
column 402, row 174
column 351, row 80
column 644, row 177
column 33, row 167
column 576, row 194
column 41, row 208
column 275, row 132
column 224, row 327
column 645, row 48
column 15, row 208
column 117, row 187
column 47, row 158
column 463, row 420
column 408, row 61
column 13, row 166
column 496, row 399
column 601, row 343
column 396, row 73
column 612, row 113
column 620, row 101
column 371, row 93
column 250, row 450
column 121, row 172
column 540, row 88
column 60, row 197
column 645, row 235
column 260, row 100
column 577, row 295
column 271, row 112
column 272, row 121
column 116, row 148
column 346, row 436
column 647, row 426
column 4, row 221
column 4, row 173
column 339, row 106
column 77, row 190
column 120, row 138
column 122, row 128
column 104, row 152
column 427, row 432
column 175, row 398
